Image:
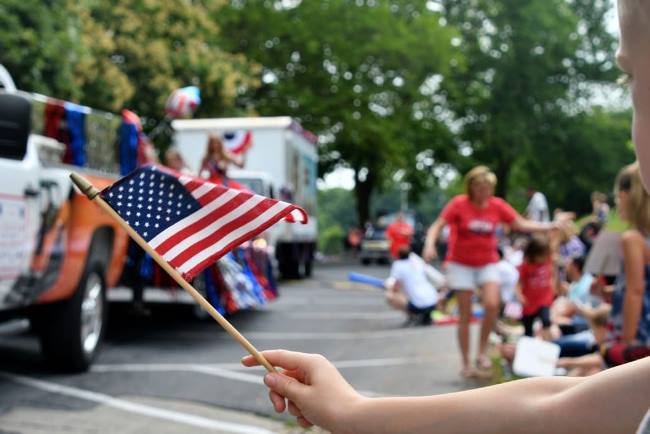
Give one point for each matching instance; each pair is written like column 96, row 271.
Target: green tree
column 334, row 218
column 116, row 54
column 38, row 46
column 530, row 68
column 363, row 75
column 583, row 153
column 161, row 46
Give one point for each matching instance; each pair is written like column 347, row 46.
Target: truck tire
column 71, row 331
column 288, row 261
column 308, row 267
column 308, row 255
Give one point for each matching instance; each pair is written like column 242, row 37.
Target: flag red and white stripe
column 206, row 220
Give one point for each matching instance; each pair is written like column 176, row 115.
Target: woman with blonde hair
column 472, row 255
column 217, row 159
column 630, row 316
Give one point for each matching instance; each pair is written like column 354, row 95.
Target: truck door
column 19, row 194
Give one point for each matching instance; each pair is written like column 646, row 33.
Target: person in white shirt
column 409, row 290
column 537, row 209
column 509, row 276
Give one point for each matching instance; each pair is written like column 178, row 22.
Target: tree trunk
column 502, row 171
column 362, row 192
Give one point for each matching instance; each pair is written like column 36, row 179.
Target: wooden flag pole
column 93, row 194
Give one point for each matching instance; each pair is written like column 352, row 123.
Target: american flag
column 190, row 222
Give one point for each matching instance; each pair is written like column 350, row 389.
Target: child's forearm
column 514, row 407
column 632, row 306
column 537, row 405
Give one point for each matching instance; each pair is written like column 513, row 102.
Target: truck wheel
column 288, row 262
column 290, row 270
column 71, row 331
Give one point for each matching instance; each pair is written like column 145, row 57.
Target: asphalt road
column 173, row 373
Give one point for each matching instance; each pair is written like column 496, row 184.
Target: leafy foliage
column 530, row 68
column 401, row 91
column 116, row 54
column 360, row 74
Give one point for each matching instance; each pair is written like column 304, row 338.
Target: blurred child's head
column 403, row 252
column 567, row 232
column 632, row 201
column 174, row 160
column 575, row 268
column 598, row 198
column 538, row 249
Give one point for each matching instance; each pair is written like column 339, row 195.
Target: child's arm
column 555, row 280
column 633, row 263
column 314, row 392
column 520, row 293
column 519, row 288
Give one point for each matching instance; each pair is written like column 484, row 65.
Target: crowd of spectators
column 598, row 320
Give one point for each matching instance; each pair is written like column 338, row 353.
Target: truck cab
column 58, row 251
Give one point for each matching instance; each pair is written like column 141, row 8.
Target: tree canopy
column 127, row 53
column 400, row 91
column 523, row 99
column 361, row 74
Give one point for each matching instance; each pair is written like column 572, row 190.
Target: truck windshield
column 253, row 184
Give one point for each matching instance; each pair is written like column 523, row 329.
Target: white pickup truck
column 281, row 162
column 58, row 251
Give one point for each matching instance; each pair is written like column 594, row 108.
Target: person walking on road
column 399, row 233
column 472, row 254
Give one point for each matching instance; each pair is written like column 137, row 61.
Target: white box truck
column 281, row 162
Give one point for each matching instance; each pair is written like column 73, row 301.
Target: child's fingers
column 297, row 374
column 289, row 360
column 293, row 410
column 304, row 422
column 286, row 386
column 278, row 402
column 249, row 361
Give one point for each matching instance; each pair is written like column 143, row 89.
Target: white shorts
column 464, row 277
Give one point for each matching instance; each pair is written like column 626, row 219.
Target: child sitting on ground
column 409, row 290
column 535, row 288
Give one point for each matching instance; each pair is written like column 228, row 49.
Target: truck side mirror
column 15, row 125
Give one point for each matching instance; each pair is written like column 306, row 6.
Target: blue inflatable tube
column 364, row 278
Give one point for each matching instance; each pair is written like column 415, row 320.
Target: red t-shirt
column 472, row 237
column 536, row 285
column 399, row 234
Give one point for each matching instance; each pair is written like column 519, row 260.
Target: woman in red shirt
column 472, row 253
